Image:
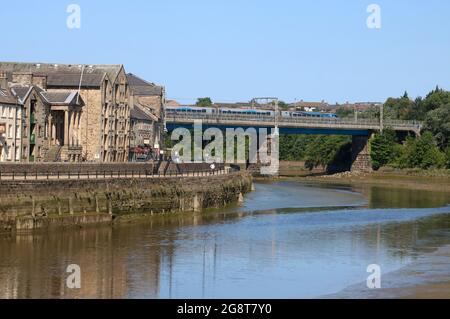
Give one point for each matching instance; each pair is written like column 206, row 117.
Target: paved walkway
column 104, row 175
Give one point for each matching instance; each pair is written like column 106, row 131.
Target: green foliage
column 344, row 112
column 204, row 102
column 382, row 148
column 397, row 156
column 316, row 150
column 429, row 151
column 422, row 153
column 405, row 109
column 293, row 147
column 447, row 155
column 436, row 99
column 323, row 150
column 400, row 108
column 438, row 123
column 283, row 105
column 370, row 113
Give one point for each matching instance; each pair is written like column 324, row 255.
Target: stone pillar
column 361, row 161
column 72, row 128
column 75, row 129
column 54, row 121
column 73, row 123
column 49, row 130
column 79, row 129
column 66, row 128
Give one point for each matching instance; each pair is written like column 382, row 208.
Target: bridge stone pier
column 361, row 161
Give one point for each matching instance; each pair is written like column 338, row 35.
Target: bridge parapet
column 319, row 123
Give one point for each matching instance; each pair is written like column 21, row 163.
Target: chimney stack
column 3, row 80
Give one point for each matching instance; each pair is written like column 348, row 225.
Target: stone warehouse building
column 51, row 124
column 98, row 120
column 147, row 117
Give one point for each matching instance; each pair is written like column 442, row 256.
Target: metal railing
column 286, row 121
column 99, row 174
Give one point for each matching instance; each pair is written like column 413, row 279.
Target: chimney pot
column 3, row 80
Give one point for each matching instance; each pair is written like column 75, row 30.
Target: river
column 287, row 240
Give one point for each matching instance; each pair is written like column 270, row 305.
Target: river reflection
column 289, row 240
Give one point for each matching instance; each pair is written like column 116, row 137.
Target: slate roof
column 73, row 80
column 60, row 98
column 65, row 75
column 6, row 97
column 143, row 88
column 51, row 98
column 139, row 114
column 21, row 91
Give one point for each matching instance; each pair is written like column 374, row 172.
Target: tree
column 405, row 95
column 322, row 150
column 422, row 153
column 293, row 147
column 398, row 109
column 344, row 112
column 204, row 102
column 283, row 105
column 382, row 149
column 447, row 154
column 438, row 123
column 436, row 99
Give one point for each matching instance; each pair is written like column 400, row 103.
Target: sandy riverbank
column 439, row 183
column 427, row 277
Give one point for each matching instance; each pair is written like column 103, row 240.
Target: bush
column 422, row 153
column 382, row 149
column 447, row 153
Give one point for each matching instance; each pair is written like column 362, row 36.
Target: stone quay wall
column 30, row 204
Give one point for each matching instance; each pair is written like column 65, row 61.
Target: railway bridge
column 359, row 129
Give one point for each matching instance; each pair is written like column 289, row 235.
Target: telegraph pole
column 275, row 102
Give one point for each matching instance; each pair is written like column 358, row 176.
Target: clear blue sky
column 234, row 50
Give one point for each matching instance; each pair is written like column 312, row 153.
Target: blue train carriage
column 246, row 112
column 189, row 110
column 313, row 115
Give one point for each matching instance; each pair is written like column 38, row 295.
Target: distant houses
column 301, row 105
column 74, row 113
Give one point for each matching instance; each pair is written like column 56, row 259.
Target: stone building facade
column 50, row 125
column 147, row 117
column 142, row 135
column 10, row 124
column 103, row 126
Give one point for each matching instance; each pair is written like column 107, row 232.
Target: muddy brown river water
column 288, row 240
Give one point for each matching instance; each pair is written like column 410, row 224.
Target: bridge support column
column 361, row 161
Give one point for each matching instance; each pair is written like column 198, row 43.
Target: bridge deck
column 352, row 126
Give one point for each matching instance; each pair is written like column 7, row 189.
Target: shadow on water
column 288, row 240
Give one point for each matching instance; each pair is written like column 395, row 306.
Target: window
column 5, row 109
column 17, row 154
column 11, row 112
column 17, row 131
column 10, row 131
column 1, row 110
